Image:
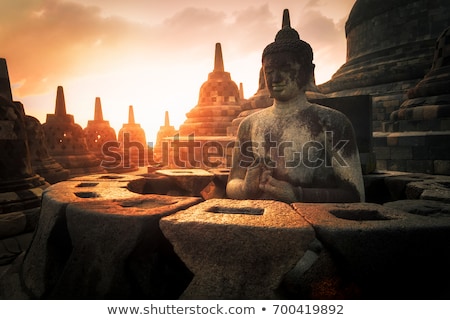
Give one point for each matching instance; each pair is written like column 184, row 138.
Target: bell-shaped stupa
column 133, row 143
column 66, row 142
column 165, row 131
column 98, row 132
column 218, row 103
column 20, row 187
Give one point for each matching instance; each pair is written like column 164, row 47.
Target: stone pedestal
column 98, row 240
column 237, row 249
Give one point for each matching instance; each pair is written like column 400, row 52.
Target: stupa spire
column 166, row 119
column 218, row 59
column 98, row 113
column 131, row 115
column 60, row 105
column 5, row 85
column 286, row 19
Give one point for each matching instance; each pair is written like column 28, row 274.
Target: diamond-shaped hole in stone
column 358, row 215
column 87, row 194
column 87, row 184
column 111, row 177
column 229, row 210
column 147, row 204
column 182, row 171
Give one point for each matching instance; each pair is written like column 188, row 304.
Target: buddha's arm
column 347, row 170
column 243, row 182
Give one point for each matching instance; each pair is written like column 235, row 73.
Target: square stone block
column 237, row 249
column 389, row 253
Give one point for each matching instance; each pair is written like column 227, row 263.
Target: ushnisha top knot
column 288, row 40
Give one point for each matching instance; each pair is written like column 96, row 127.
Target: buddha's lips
column 278, row 87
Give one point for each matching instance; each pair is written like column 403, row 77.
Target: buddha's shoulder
column 329, row 113
column 257, row 117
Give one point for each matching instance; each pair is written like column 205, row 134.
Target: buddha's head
column 287, row 63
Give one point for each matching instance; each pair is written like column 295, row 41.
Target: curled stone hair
column 288, row 40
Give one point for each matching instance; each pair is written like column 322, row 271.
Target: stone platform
column 111, row 236
column 387, row 253
column 98, row 240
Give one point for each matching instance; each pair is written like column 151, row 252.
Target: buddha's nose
column 277, row 77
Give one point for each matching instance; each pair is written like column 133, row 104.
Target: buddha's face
column 284, row 78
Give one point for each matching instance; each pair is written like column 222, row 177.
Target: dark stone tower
column 20, row 186
column 416, row 136
column 389, row 49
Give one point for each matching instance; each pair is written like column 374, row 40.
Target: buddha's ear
column 311, row 83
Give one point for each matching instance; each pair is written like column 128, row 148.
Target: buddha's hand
column 278, row 189
column 252, row 179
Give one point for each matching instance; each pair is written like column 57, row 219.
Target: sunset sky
column 151, row 54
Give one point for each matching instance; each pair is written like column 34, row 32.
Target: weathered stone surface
column 433, row 188
column 96, row 239
column 12, row 247
column 388, row 253
column 20, row 186
column 421, row 207
column 12, row 224
column 358, row 110
column 283, row 152
column 426, row 113
column 192, row 181
column 389, row 49
column 217, row 188
column 10, row 277
column 415, row 151
column 237, row 249
column 317, row 276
